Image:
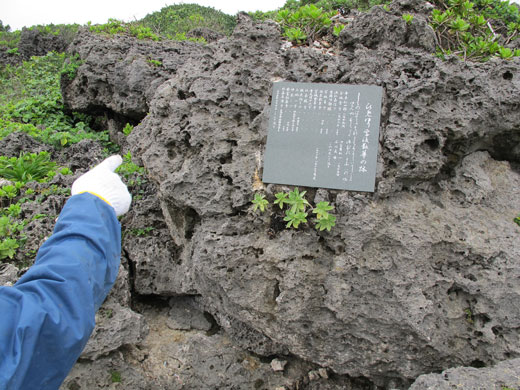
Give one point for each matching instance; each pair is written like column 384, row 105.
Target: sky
column 20, row 13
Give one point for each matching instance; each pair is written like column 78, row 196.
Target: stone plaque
column 323, row 135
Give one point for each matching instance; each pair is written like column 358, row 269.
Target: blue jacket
column 48, row 315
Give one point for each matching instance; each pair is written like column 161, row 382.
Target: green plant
column 13, row 51
column 139, row 232
column 8, row 191
column 476, row 30
column 337, row 29
column 112, row 27
column 296, row 212
column 14, row 210
column 408, row 18
column 154, row 62
column 107, row 313
column 517, row 220
column 469, row 315
column 259, row 202
column 70, row 66
column 127, row 129
column 281, row 199
column 295, row 35
column 9, row 236
column 142, row 32
column 27, row 167
column 115, row 376
column 133, row 173
column 295, row 218
column 297, row 200
column 31, row 101
column 8, row 247
column 324, row 220
column 175, row 21
column 308, row 22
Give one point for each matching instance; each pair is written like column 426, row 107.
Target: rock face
column 119, row 77
column 33, row 42
column 502, row 376
column 417, row 277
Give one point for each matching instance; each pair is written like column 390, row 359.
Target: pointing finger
column 111, row 163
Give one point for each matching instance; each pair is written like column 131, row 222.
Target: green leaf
column 8, row 248
column 259, row 202
column 281, row 199
column 408, row 18
column 338, row 29
column 297, row 201
column 326, row 223
column 322, row 210
column 295, row 218
column 459, row 24
column 505, row 53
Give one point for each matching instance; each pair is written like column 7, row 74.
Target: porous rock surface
column 118, row 77
column 417, row 277
column 504, row 375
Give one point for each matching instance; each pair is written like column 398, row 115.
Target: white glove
column 105, row 184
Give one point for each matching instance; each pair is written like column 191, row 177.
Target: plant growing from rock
column 476, row 30
column 306, row 23
column 337, row 29
column 9, row 240
column 408, row 18
column 259, row 202
column 296, row 211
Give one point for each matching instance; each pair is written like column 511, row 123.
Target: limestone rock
column 503, row 375
column 121, row 75
column 417, row 277
column 385, row 294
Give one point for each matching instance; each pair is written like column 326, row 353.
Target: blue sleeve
column 48, row 315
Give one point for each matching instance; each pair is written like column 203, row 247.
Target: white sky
column 19, row 13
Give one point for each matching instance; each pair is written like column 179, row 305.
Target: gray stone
column 8, row 274
column 116, row 74
column 185, row 315
column 278, row 365
column 385, row 294
column 116, row 326
column 417, row 277
column 502, row 376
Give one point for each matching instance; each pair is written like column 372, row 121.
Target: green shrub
column 334, row 5
column 9, row 40
column 476, row 30
column 306, row 23
column 181, row 18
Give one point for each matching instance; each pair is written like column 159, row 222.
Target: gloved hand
column 102, row 182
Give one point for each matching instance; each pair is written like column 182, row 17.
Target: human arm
column 49, row 314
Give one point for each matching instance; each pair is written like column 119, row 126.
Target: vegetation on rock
column 296, row 212
column 476, row 30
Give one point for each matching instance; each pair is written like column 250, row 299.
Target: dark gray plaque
column 323, row 135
